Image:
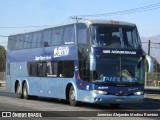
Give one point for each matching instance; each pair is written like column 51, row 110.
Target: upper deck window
column 27, row 43
column 82, row 34
column 57, row 36
column 69, row 35
column 115, row 36
column 63, row 35
column 47, row 38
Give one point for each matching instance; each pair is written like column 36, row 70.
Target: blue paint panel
column 44, row 87
column 42, row 54
column 82, row 85
column 115, row 90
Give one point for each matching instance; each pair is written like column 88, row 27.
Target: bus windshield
column 118, row 70
column 115, row 36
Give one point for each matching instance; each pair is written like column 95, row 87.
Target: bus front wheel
column 72, row 96
column 25, row 91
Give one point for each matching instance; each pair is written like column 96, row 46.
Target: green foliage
column 2, row 59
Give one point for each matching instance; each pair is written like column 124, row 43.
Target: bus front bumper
column 113, row 99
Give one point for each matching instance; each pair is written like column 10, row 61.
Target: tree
column 2, row 59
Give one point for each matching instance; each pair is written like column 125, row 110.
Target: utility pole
column 149, row 44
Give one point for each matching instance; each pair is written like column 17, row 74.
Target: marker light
column 99, row 92
column 115, row 22
column 138, row 93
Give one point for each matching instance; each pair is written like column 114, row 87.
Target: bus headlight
column 99, row 92
column 138, row 93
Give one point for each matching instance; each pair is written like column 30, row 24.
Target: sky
column 19, row 13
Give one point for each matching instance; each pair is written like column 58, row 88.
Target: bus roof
column 85, row 21
column 100, row 21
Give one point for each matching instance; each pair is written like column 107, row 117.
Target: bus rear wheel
column 18, row 90
column 25, row 91
column 72, row 97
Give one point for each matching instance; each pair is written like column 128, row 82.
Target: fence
column 152, row 81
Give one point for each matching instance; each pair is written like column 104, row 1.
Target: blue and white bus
column 94, row 61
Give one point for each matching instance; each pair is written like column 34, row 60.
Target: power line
column 155, row 47
column 155, row 43
column 26, row 26
column 151, row 43
column 129, row 11
column 144, row 42
column 122, row 12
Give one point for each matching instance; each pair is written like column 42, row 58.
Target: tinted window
column 57, row 35
column 37, row 41
column 115, row 36
column 63, row 69
column 84, row 69
column 42, row 69
column 19, row 42
column 47, row 38
column 82, row 33
column 44, row 38
column 68, row 69
column 69, row 36
column 11, row 42
column 33, row 69
column 28, row 40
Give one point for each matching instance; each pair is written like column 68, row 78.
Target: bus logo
column 60, row 51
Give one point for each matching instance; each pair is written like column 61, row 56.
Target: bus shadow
column 80, row 104
column 147, row 104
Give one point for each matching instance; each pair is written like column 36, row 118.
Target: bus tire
column 72, row 97
column 25, row 91
column 18, row 91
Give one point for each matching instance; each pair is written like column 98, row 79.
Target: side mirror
column 92, row 62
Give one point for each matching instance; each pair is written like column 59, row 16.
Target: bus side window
column 84, row 70
column 37, row 41
column 68, row 69
column 44, row 69
column 11, row 42
column 82, row 34
column 27, row 43
column 60, row 69
column 55, row 69
column 69, row 35
column 47, row 38
column 32, row 68
column 57, row 34
column 49, row 68
column 39, row 67
column 19, row 42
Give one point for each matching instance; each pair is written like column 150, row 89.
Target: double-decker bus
column 94, row 61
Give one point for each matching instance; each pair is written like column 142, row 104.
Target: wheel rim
column 25, row 91
column 72, row 95
column 18, row 89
